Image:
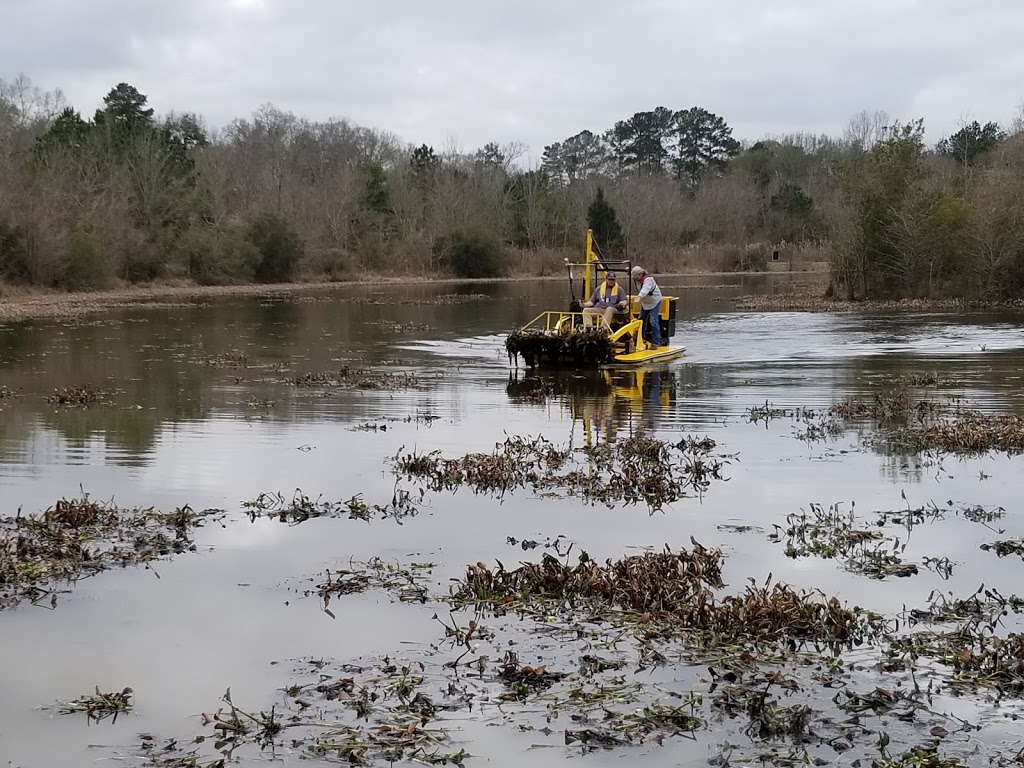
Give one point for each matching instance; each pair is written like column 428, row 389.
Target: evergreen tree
column 424, row 164
column 68, row 132
column 126, row 106
column 376, row 193
column 703, row 144
column 601, row 218
column 971, row 142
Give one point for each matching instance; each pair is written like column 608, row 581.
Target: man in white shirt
column 649, row 295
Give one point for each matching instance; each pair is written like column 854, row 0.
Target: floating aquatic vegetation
column 556, row 544
column 893, row 405
column 347, row 377
column 833, row 534
column 653, row 581
column 391, row 326
column 637, row 469
column 234, row 358
column 80, row 397
column 368, row 426
column 980, row 514
column 947, row 427
column 970, row 433
column 651, row 724
column 1006, row 547
column 446, row 299
column 590, row 346
column 407, row 583
column 381, row 719
column 923, row 379
column 670, row 593
column 909, row 425
column 919, row 757
column 301, row 507
column 99, row 706
column 78, row 538
column 985, row 607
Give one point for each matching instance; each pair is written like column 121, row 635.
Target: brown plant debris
column 100, row 705
column 78, row 538
column 969, row 434
column 6, row 393
column 637, row 469
column 348, row 377
column 891, row 405
column 590, row 346
column 910, row 425
column 670, row 592
column 80, row 397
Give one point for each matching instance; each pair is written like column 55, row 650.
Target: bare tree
column 865, row 129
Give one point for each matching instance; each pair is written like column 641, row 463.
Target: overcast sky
column 534, row 71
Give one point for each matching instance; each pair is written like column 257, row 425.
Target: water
column 233, row 614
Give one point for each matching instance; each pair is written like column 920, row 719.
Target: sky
column 459, row 73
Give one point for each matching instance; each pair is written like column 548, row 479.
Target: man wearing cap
column 606, row 299
column 649, row 296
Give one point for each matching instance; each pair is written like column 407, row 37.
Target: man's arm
column 646, row 288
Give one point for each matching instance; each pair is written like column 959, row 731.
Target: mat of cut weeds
column 44, row 554
column 635, row 653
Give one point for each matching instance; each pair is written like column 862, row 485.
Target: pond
column 198, row 406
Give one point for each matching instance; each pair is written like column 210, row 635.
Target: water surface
column 185, row 431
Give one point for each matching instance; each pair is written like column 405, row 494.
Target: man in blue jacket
column 649, row 296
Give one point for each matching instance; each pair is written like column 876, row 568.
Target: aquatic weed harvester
column 562, row 339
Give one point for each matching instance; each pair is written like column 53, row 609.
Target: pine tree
column 601, row 218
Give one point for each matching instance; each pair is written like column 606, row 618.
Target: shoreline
column 19, row 304
column 22, row 304
column 810, row 302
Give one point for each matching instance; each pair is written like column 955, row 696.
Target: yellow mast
column 593, row 269
column 588, row 281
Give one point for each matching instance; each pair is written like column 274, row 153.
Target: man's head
column 609, row 278
column 637, row 272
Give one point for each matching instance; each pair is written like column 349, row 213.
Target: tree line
column 126, row 195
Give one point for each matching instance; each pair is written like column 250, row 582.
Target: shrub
column 14, row 266
column 471, row 253
column 279, row 247
column 750, row 258
column 223, row 260
column 83, row 264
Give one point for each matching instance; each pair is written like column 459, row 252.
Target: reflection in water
column 608, row 403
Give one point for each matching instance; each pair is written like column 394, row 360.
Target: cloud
column 531, row 71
